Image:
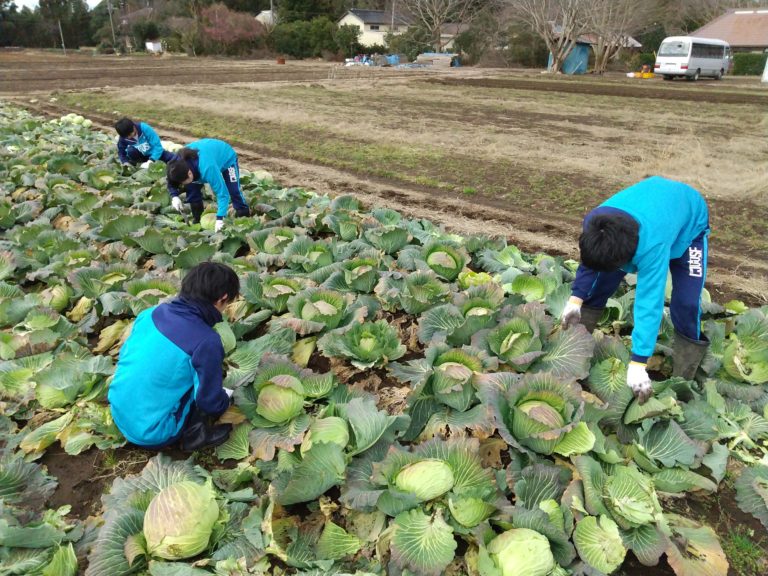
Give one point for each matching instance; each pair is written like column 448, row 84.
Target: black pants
column 195, row 418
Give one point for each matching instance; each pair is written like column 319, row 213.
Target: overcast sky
column 33, row 3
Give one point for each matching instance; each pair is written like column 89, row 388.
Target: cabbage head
column 208, row 221
column 179, row 520
column 522, row 552
column 538, row 412
column 426, row 479
column 280, row 399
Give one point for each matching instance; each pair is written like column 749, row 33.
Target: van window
column 674, row 48
column 707, row 51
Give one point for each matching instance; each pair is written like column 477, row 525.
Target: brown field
column 494, row 151
column 509, row 152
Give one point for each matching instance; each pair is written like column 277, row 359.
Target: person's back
column 215, row 155
column 170, row 368
column 668, row 212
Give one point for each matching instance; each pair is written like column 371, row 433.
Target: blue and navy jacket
column 214, row 157
column 147, row 142
column 172, row 359
column 671, row 215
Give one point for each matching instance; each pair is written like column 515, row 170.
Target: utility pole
column 111, row 24
column 61, row 33
column 392, row 26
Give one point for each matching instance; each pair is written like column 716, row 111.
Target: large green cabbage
column 522, row 552
column 427, row 479
column 179, row 521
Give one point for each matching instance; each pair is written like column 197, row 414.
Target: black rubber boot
column 197, row 212
column 590, row 317
column 243, row 213
column 687, row 355
column 199, row 435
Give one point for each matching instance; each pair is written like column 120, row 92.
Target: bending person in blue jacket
column 167, row 386
column 212, row 162
column 655, row 226
column 138, row 143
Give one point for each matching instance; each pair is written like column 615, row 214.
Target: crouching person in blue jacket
column 212, row 162
column 138, row 143
column 652, row 227
column 167, row 386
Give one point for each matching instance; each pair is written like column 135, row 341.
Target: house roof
column 378, row 16
column 740, row 28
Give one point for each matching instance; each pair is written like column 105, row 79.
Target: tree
column 74, row 18
column 295, row 10
column 432, row 15
column 346, row 37
column 228, row 31
column 611, row 22
column 187, row 33
column 8, row 23
column 558, row 22
column 412, row 42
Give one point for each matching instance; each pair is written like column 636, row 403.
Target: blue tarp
column 577, row 61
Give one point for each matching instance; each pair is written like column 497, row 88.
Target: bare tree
column 433, row 15
column 558, row 22
column 611, row 22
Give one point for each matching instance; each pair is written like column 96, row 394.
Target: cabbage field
column 405, row 401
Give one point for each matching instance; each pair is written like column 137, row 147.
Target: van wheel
column 719, row 75
column 696, row 76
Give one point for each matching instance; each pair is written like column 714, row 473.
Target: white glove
column 218, row 226
column 228, row 392
column 177, row 204
column 146, row 164
column 639, row 381
column 571, row 313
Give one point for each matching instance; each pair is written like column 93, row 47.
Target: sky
column 32, row 3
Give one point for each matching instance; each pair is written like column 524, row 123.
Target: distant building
column 744, row 30
column 374, row 25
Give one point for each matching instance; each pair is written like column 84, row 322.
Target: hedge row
column 749, row 63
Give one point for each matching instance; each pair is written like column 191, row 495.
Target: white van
column 692, row 58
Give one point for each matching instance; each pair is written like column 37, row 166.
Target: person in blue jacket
column 167, row 387
column 652, row 227
column 138, row 143
column 207, row 161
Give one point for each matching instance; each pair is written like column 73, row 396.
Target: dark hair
column 608, row 241
column 177, row 169
column 209, row 281
column 124, row 127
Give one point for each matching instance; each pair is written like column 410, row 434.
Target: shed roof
column 378, row 16
column 740, row 28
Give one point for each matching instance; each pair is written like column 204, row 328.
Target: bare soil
column 612, row 89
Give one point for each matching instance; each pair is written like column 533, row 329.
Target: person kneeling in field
column 138, row 143
column 167, row 386
column 212, row 162
column 649, row 228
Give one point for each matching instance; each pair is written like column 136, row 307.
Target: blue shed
column 577, row 61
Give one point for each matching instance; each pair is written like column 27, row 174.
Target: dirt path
column 730, row 275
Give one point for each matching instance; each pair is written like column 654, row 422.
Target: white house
column 374, row 25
